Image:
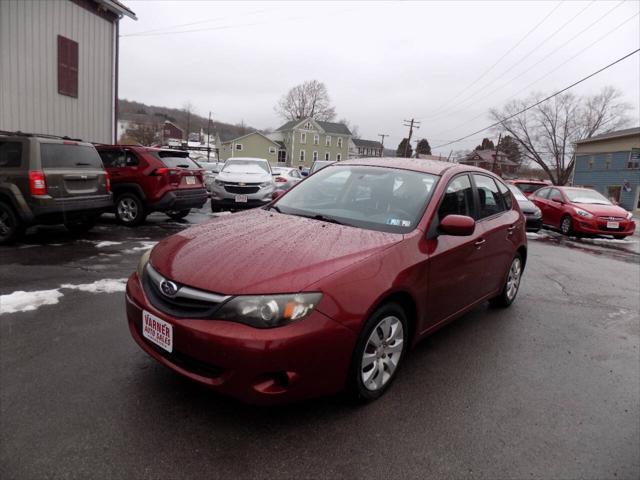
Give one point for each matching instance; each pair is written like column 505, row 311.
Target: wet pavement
column 549, row 388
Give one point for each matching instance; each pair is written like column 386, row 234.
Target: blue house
column 610, row 164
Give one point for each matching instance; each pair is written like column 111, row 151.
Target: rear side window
column 112, row 158
column 506, row 195
column 542, row 193
column 489, row 196
column 10, row 154
column 176, row 160
column 457, row 199
column 59, row 155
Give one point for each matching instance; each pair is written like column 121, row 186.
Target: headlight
column 582, row 213
column 629, row 215
column 266, row 184
column 267, row 311
column 144, row 259
column 218, row 182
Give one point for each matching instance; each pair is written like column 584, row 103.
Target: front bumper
column 597, row 226
column 533, row 223
column 181, row 199
column 261, row 366
column 222, row 198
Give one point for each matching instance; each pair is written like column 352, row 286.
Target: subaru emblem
column 168, row 288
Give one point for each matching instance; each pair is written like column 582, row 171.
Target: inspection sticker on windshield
column 396, row 222
column 157, row 331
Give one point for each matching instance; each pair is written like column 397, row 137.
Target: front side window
column 506, row 195
column 457, row 198
column 10, row 154
column 489, row 196
column 374, row 198
column 541, row 193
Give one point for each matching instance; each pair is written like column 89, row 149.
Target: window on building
column 339, row 142
column 308, row 126
column 315, row 156
column 10, row 154
column 634, row 158
column 338, row 157
column 327, row 141
column 272, row 149
column 302, row 155
column 239, row 147
column 67, row 67
column 327, row 156
column 316, row 139
column 303, row 137
column 591, row 162
column 607, row 161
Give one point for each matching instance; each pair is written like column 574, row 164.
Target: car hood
column 527, row 206
column 602, row 210
column 260, row 251
column 249, row 177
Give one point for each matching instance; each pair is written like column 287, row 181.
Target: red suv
column 379, row 253
column 145, row 180
column 582, row 211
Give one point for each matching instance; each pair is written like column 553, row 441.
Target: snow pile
column 106, row 244
column 100, row 286
column 22, row 301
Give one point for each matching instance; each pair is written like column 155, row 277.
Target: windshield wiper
column 323, row 218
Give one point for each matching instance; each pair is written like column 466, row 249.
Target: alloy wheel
column 566, row 225
column 127, row 209
column 513, row 280
column 382, row 353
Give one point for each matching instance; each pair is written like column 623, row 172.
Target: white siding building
column 58, row 67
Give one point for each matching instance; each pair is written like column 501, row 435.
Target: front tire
column 511, row 284
column 11, row 227
column 566, row 225
column 130, row 210
column 379, row 351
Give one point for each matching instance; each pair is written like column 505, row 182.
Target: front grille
column 605, row 229
column 249, row 189
column 612, row 219
column 187, row 303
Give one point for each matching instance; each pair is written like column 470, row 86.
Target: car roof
column 254, row 159
column 434, row 167
column 524, row 180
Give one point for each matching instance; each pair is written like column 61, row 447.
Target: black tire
column 507, row 295
column 566, row 225
column 620, row 237
column 215, row 208
column 356, row 385
column 178, row 214
column 11, row 227
column 81, row 226
column 130, row 210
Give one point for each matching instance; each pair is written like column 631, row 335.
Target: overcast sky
column 382, row 62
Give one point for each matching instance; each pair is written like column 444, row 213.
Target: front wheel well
column 523, row 254
column 408, row 304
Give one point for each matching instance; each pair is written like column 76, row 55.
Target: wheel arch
column 122, row 188
column 408, row 304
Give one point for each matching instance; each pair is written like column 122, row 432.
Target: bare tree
column 309, row 99
column 145, row 134
column 353, row 128
column 547, row 133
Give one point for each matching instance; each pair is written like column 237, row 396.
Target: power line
column 523, row 58
column 558, row 67
column 500, row 59
column 541, row 101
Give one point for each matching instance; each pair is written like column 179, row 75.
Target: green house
column 301, row 142
column 253, row 144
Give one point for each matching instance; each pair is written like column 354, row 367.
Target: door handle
column 478, row 243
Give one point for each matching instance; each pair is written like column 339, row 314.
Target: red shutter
column 67, row 67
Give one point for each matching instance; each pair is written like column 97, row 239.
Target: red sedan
column 582, row 211
column 329, row 286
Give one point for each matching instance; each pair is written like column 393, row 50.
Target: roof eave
column 118, row 9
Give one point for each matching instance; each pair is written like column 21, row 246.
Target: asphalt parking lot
column 549, row 388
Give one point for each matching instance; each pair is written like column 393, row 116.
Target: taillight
column 107, row 181
column 281, row 180
column 165, row 171
column 37, row 183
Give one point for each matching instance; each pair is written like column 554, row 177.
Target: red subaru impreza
column 329, row 286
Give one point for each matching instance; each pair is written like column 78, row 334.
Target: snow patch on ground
column 143, row 246
column 22, row 301
column 533, row 235
column 107, row 244
column 100, row 286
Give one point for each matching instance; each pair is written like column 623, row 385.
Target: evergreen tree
column 404, row 146
column 423, row 147
column 486, row 144
column 510, row 147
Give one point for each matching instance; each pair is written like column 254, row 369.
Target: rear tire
column 130, row 210
column 511, row 284
column 566, row 225
column 11, row 227
column 178, row 214
column 380, row 349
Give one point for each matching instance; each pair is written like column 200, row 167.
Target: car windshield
column 375, row 198
column 59, row 155
column 318, row 165
column 246, row 166
column 517, row 193
column 578, row 195
column 177, row 160
column 529, row 187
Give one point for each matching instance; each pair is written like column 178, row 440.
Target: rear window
column 529, row 187
column 177, row 160
column 10, row 154
column 58, row 155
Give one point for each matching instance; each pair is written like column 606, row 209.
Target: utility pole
column 495, row 158
column 209, row 138
column 411, row 124
column 382, row 135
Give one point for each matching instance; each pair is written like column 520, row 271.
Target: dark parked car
column 402, row 248
column 146, row 180
column 582, row 211
column 530, row 211
column 49, row 180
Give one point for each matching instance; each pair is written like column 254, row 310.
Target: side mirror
column 458, row 225
column 277, row 194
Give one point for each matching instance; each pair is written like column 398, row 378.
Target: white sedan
column 285, row 178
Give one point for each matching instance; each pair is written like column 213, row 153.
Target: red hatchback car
column 528, row 187
column 582, row 211
column 329, row 286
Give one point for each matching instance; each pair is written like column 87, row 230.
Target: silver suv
column 242, row 183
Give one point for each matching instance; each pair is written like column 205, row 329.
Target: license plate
column 241, row 199
column 613, row 224
column 191, row 180
column 157, row 331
